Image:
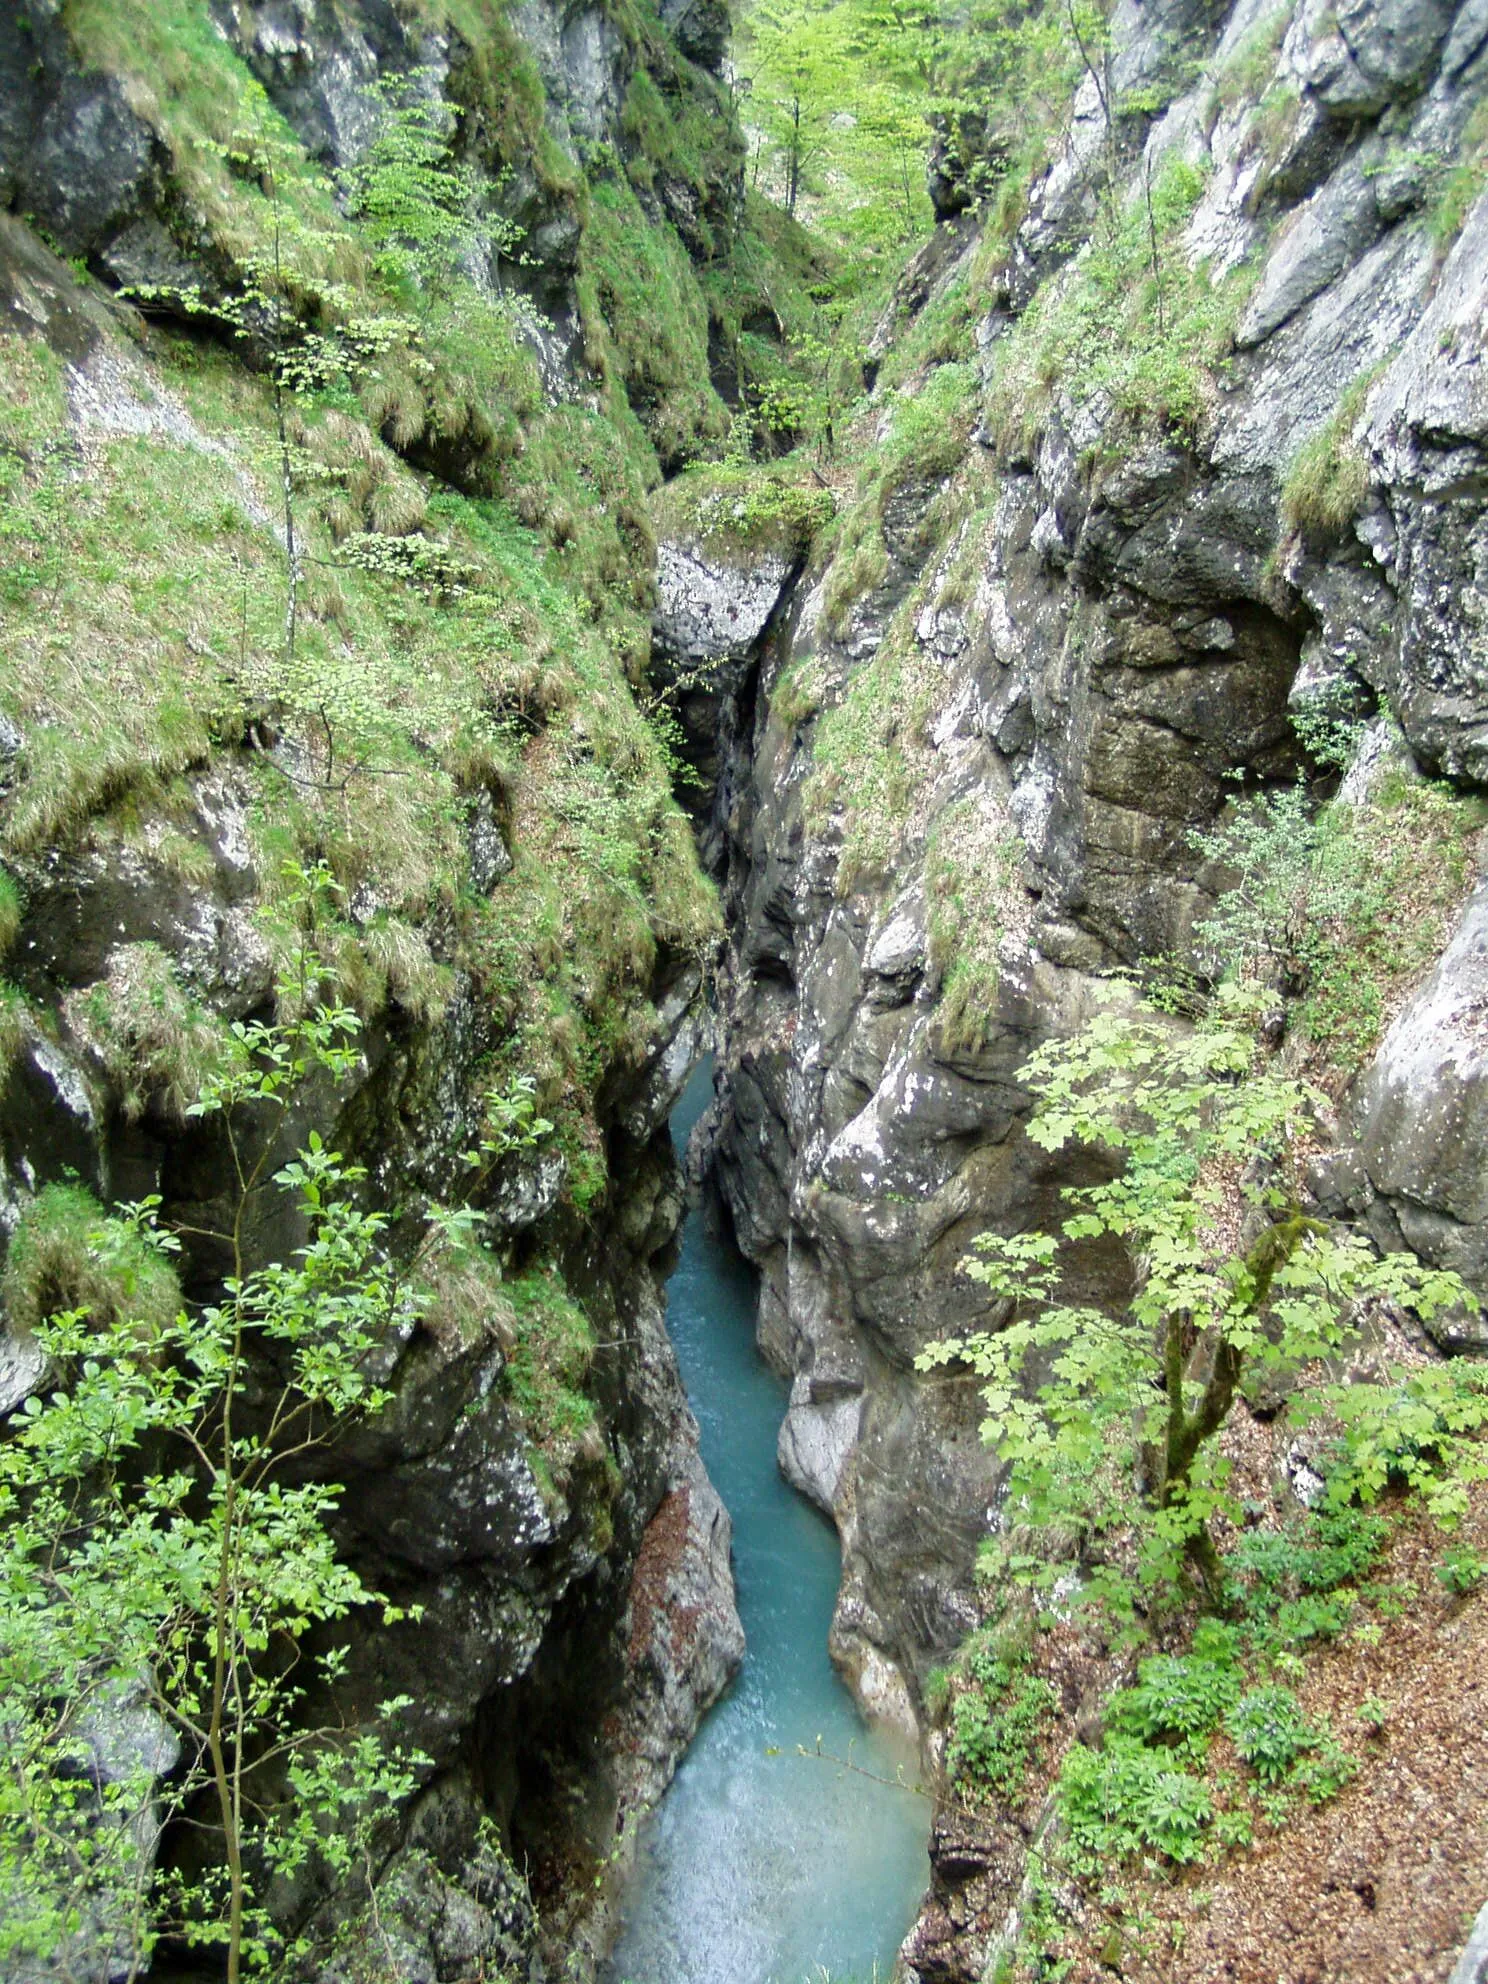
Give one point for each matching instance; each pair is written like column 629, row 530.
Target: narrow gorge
column 522, row 569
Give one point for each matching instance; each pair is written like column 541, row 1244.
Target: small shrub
column 1127, row 1799
column 1344, row 907
column 1180, row 1699
column 997, row 1720
column 1325, row 1770
column 1462, row 1570
column 747, row 506
column 1269, row 1731
column 1420, row 1432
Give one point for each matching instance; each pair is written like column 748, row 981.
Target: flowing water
column 761, row 1866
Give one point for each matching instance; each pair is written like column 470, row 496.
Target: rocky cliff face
column 1093, row 568
column 569, row 1592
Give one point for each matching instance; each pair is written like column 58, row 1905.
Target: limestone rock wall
column 1109, row 621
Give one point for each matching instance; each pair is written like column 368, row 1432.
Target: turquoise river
column 762, row 1866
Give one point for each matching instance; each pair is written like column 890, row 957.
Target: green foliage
column 1343, row 906
column 163, row 1552
column 646, row 324
column 747, row 507
column 511, row 1121
column 839, row 95
column 780, row 303
column 402, row 704
column 68, row 1256
column 156, row 1043
column 1327, row 479
column 1205, row 1135
column 679, row 134
column 546, row 1370
column 1127, row 1799
column 1130, row 320
column 976, row 903
column 1461, row 184
column 999, row 1715
column 11, row 911
column 1419, row 1431
column 1269, row 1731
column 1180, row 1699
column 413, row 202
column 1462, row 1570
column 1329, row 1549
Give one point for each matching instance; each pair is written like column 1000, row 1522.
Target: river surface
column 761, row 1866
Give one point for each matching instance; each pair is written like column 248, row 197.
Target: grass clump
column 552, row 1352
column 13, row 1014
column 861, row 766
column 976, row 904
column 678, row 133
column 646, row 324
column 1129, row 319
column 1246, row 75
column 12, row 909
column 462, row 1297
column 182, row 77
column 67, row 1253
column 798, row 693
column 1327, row 480
column 1461, row 185
column 744, row 507
column 156, row 650
column 156, row 1044
column 922, row 439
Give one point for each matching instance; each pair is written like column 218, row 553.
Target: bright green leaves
column 413, row 202
column 1109, row 1420
column 167, row 1543
column 1000, row 1712
column 1269, row 1731
column 1421, row 1429
column 1125, row 1799
column 1181, row 1699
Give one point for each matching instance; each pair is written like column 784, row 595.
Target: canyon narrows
column 494, row 607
